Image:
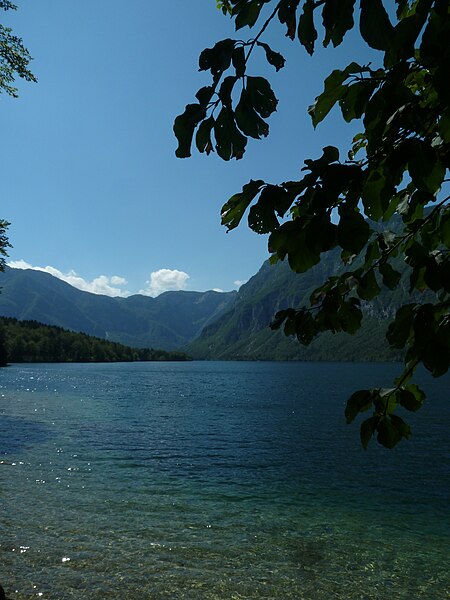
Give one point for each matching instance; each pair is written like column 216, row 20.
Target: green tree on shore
column 396, row 167
column 4, row 243
column 31, row 341
column 14, row 61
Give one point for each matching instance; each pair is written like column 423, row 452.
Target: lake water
column 217, row 481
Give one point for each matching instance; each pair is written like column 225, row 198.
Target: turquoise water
column 216, row 481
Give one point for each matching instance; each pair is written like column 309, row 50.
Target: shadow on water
column 308, row 553
column 17, row 433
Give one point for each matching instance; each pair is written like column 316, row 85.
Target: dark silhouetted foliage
column 397, row 165
column 14, row 61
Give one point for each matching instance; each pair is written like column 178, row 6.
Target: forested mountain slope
column 243, row 332
column 168, row 321
column 30, row 341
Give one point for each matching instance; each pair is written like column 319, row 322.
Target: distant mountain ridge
column 168, row 321
column 206, row 325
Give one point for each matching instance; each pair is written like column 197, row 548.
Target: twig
column 264, row 27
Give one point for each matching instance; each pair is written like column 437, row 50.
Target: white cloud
column 238, row 282
column 102, row 284
column 115, row 280
column 19, row 264
column 165, row 280
column 217, row 290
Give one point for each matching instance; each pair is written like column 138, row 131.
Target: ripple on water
column 160, row 481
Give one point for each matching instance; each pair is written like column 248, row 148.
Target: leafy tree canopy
column 14, row 57
column 14, row 61
column 4, row 243
column 396, row 169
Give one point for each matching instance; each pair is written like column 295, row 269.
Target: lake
column 217, row 480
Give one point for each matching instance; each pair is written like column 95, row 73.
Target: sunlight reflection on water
column 214, row 480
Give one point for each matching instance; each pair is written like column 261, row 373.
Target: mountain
column 209, row 325
column 168, row 321
column 243, row 332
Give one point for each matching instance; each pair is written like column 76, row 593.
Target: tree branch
column 264, row 27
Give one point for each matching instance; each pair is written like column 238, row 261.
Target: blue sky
column 90, row 181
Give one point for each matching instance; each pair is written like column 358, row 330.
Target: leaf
column 374, row 195
column 233, row 210
column 334, row 90
column 403, row 428
column 249, row 13
column 388, row 434
column 238, row 60
column 273, row 200
column 350, row 316
column 372, row 254
column 337, row 19
column 230, row 143
column 411, row 397
column 203, row 137
column 217, row 59
column 405, row 35
column 204, row 95
column 280, row 317
column 320, row 233
column 375, row 26
column 416, row 280
column 444, row 126
column 226, row 89
column 434, row 41
column 248, row 120
column 432, row 339
column 368, row 428
column 305, row 327
column 287, row 15
column 390, row 276
column 354, row 100
column 307, row 33
column 299, row 323
column 184, row 127
column 416, row 255
column 402, row 8
column 386, row 401
column 425, row 325
column 359, row 142
column 434, row 276
column 300, row 256
column 224, row 6
column 275, row 59
column 400, row 329
column 445, row 229
column 261, row 96
column 262, row 218
column 358, row 402
column 426, row 170
column 290, row 240
column 368, row 287
column 353, row 230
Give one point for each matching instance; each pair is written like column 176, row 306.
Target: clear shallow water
column 216, row 481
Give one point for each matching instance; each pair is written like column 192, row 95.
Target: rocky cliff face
column 243, row 332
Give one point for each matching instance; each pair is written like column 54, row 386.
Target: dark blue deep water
column 217, row 481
